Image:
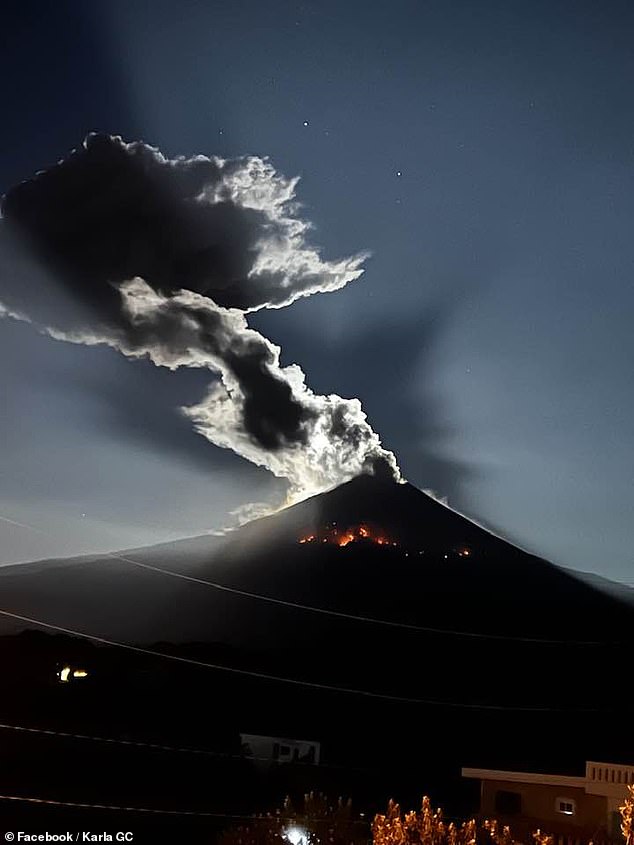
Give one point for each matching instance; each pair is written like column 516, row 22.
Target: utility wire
column 148, row 810
column 283, row 680
column 254, row 819
column 371, row 620
column 154, row 746
column 351, row 616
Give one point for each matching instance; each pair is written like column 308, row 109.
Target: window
column 566, row 806
column 508, row 803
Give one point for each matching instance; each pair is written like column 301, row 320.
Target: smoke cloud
column 166, row 258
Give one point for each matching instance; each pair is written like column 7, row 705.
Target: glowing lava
column 354, row 534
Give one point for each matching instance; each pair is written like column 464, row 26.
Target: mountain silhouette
column 450, row 642
column 433, row 568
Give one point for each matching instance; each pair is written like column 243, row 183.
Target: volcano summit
column 265, row 631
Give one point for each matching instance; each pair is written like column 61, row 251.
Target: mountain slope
column 511, row 661
column 436, row 569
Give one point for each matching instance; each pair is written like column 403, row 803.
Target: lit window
column 566, row 806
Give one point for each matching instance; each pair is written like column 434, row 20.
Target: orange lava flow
column 353, row 534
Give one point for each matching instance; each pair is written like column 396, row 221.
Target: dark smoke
column 166, row 257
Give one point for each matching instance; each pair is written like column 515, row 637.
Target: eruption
column 353, row 534
column 164, row 259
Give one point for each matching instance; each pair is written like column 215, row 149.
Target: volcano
column 418, row 615
column 370, row 547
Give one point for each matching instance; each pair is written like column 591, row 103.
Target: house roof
column 525, row 777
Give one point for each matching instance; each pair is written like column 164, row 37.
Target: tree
column 627, row 817
column 426, row 827
column 314, row 819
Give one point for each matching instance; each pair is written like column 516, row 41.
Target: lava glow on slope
column 354, row 534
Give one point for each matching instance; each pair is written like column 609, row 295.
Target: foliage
column 502, row 837
column 426, row 827
column 544, row 838
column 627, row 817
column 315, row 819
column 326, row 823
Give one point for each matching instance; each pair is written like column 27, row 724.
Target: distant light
column 399, row 173
column 63, row 675
column 305, row 123
column 296, row 835
column 80, row 673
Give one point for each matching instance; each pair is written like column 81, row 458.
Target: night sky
column 482, row 153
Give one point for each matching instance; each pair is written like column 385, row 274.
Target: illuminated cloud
column 166, row 258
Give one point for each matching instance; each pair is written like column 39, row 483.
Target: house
column 575, row 809
column 275, row 749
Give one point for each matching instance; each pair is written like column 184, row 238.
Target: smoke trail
column 166, row 258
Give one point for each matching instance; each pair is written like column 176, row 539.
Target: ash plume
column 166, row 258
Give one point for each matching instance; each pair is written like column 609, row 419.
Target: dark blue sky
column 482, row 152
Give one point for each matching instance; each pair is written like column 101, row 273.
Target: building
column 573, row 809
column 275, row 749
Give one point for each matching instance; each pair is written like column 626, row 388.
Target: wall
column 538, row 810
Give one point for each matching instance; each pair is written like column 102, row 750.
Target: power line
column 154, row 746
column 253, row 819
column 20, row 524
column 351, row 616
column 336, row 613
column 151, row 810
column 283, row 680
column 77, row 805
